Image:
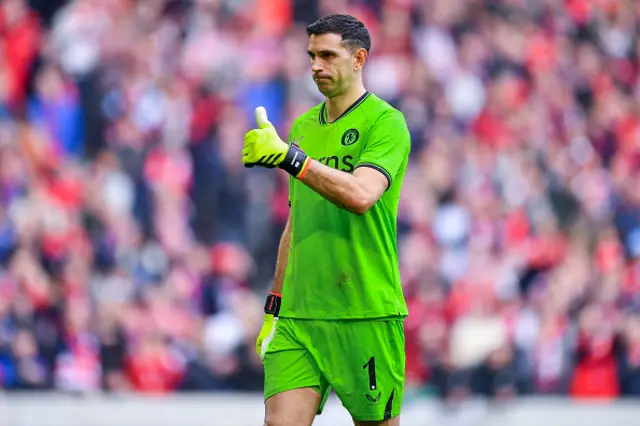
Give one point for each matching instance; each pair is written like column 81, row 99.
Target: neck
column 338, row 104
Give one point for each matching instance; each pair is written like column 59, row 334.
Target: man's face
column 333, row 65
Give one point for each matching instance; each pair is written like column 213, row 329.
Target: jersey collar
column 356, row 104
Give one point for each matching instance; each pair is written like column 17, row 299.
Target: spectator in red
column 152, row 367
column 629, row 357
column 19, row 45
column 596, row 374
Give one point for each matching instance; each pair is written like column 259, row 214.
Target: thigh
column 367, row 367
column 289, row 367
column 295, row 407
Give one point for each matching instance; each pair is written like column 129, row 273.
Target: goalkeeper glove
column 271, row 311
column 263, row 147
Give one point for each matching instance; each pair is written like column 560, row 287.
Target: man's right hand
column 271, row 311
column 263, row 147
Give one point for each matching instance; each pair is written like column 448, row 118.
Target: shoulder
column 380, row 113
column 382, row 117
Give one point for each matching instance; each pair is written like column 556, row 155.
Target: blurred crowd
column 136, row 251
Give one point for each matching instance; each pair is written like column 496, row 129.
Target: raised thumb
column 261, row 117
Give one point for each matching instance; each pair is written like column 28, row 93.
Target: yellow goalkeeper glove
column 264, row 148
column 271, row 311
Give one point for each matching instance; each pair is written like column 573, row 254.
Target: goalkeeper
column 334, row 319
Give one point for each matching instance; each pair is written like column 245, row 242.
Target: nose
column 316, row 66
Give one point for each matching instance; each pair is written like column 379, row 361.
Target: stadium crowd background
column 135, row 250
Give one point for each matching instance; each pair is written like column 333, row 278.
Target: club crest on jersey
column 350, row 137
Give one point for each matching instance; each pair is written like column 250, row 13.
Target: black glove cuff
column 295, row 161
column 272, row 305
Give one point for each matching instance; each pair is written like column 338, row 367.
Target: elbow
column 360, row 205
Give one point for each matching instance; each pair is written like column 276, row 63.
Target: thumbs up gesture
column 262, row 146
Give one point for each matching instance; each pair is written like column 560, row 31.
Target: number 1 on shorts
column 371, row 364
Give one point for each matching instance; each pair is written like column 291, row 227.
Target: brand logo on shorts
column 373, row 400
column 350, row 137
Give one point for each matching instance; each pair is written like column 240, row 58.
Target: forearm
column 340, row 188
column 282, row 260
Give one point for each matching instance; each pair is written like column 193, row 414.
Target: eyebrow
column 325, row 51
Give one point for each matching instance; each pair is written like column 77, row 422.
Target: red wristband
column 305, row 167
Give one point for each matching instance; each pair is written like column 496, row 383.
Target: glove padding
column 264, row 148
column 268, row 330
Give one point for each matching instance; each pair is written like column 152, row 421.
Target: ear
column 359, row 59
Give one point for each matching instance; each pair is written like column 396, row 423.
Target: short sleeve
column 387, row 146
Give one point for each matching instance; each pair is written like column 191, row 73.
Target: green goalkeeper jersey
column 342, row 265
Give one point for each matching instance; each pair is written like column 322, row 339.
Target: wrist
column 272, row 304
column 296, row 162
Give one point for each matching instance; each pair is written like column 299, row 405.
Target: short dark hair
column 353, row 32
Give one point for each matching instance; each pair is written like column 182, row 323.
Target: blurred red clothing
column 579, row 10
column 421, row 312
column 609, row 254
column 541, row 54
column 20, row 41
column 516, row 228
column 631, row 280
column 154, row 371
column 469, row 296
column 546, row 250
column 169, row 170
column 491, row 129
column 66, row 190
column 595, row 375
column 628, row 135
column 274, row 16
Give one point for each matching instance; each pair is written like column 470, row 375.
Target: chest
column 337, row 146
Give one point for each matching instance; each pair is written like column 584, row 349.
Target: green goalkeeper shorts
column 363, row 361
